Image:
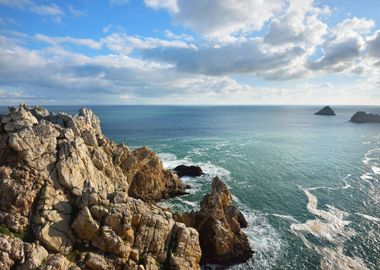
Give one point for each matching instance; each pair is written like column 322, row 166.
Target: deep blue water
column 308, row 185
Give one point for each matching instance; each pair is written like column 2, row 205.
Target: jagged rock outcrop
column 326, row 111
column 184, row 170
column 219, row 224
column 72, row 199
column 362, row 117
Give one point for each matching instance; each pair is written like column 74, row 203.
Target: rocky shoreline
column 72, row 199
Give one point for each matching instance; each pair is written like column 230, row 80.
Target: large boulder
column 326, row 111
column 219, row 224
column 362, row 117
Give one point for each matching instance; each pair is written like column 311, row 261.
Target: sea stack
column 326, row 111
column 363, row 117
column 72, row 199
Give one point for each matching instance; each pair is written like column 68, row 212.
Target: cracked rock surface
column 72, row 199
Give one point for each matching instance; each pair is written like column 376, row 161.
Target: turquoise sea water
column 308, row 185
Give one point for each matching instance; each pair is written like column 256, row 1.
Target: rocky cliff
column 72, row 199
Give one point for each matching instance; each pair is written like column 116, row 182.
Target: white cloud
column 123, row 43
column 344, row 48
column 299, row 24
column 51, row 10
column 374, row 45
column 339, row 55
column 14, row 94
column 185, row 69
column 55, row 73
column 47, row 10
column 171, row 35
column 220, row 19
column 4, row 21
column 77, row 41
column 170, row 5
column 16, row 3
column 76, row 12
column 352, row 28
column 247, row 56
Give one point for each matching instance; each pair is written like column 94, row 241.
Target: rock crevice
column 88, row 203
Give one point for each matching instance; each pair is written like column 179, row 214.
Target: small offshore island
column 327, row 111
column 73, row 199
column 363, row 117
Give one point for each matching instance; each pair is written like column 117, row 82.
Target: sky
column 190, row 52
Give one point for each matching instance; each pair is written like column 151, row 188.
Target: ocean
column 308, row 185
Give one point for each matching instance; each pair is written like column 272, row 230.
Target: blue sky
column 190, row 52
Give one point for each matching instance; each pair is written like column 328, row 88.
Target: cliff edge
column 72, row 199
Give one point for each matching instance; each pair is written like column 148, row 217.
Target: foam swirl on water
column 329, row 225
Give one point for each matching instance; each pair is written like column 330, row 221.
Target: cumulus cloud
column 220, row 19
column 374, row 45
column 298, row 44
column 59, row 74
column 300, row 23
column 339, row 56
column 248, row 56
column 343, row 50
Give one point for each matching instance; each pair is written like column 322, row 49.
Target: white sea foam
column 376, row 170
column 366, row 176
column 330, row 225
column 368, row 217
column 264, row 239
column 170, row 161
column 286, row 217
column 371, row 155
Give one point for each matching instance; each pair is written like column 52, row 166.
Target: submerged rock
column 326, row 111
column 72, row 199
column 219, row 225
column 184, row 170
column 362, row 117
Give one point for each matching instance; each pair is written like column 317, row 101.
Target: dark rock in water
column 183, row 170
column 362, row 117
column 326, row 111
column 219, row 225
